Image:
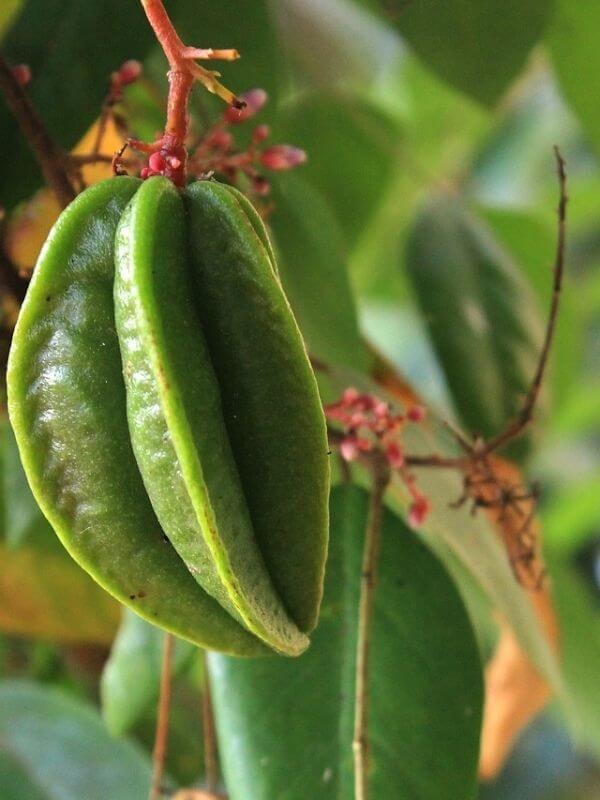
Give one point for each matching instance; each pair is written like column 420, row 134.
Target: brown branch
column 368, row 581
column 211, row 760
column 518, row 425
column 49, row 156
column 162, row 723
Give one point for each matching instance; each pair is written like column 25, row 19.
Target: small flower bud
column 260, row 185
column 282, row 157
column 394, row 455
column 220, row 140
column 418, row 511
column 416, row 413
column 261, row 132
column 254, row 100
column 22, row 74
column 157, row 163
column 129, row 72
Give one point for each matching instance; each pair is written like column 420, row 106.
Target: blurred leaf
column 29, row 225
column 572, row 549
column 475, row 45
column 352, row 149
column 131, row 677
column 425, row 693
column 44, row 593
column 356, row 45
column 22, row 516
column 313, row 269
column 482, row 317
column 185, row 754
column 7, row 13
column 55, row 748
column 72, row 48
column 573, row 44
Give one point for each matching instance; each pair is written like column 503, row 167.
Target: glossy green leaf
column 483, row 319
column 313, row 256
column 131, row 676
column 573, row 43
column 53, row 747
column 59, row 40
column 352, row 149
column 475, row 45
column 285, row 728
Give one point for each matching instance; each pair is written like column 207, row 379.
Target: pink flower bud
column 418, row 511
column 394, row 455
column 129, row 72
column 22, row 74
column 220, row 140
column 261, row 132
column 261, row 185
column 349, row 449
column 416, row 413
column 350, row 396
column 282, row 157
column 156, row 162
column 254, row 100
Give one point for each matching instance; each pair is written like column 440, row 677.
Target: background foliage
column 422, row 223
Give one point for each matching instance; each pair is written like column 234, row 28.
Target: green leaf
column 22, row 516
column 475, row 45
column 72, row 48
column 352, row 149
column 312, row 260
column 573, row 43
column 482, row 317
column 285, row 726
column 572, row 548
column 55, row 748
column 131, row 677
column 356, row 45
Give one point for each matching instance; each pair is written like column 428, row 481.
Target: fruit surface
column 176, row 420
column 67, row 407
column 270, row 401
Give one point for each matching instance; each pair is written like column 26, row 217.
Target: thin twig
column 49, row 156
column 368, row 580
column 162, row 722
column 211, row 760
column 516, row 427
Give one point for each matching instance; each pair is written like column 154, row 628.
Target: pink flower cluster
column 217, row 150
column 370, row 424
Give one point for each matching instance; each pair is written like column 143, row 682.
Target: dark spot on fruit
column 141, row 594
